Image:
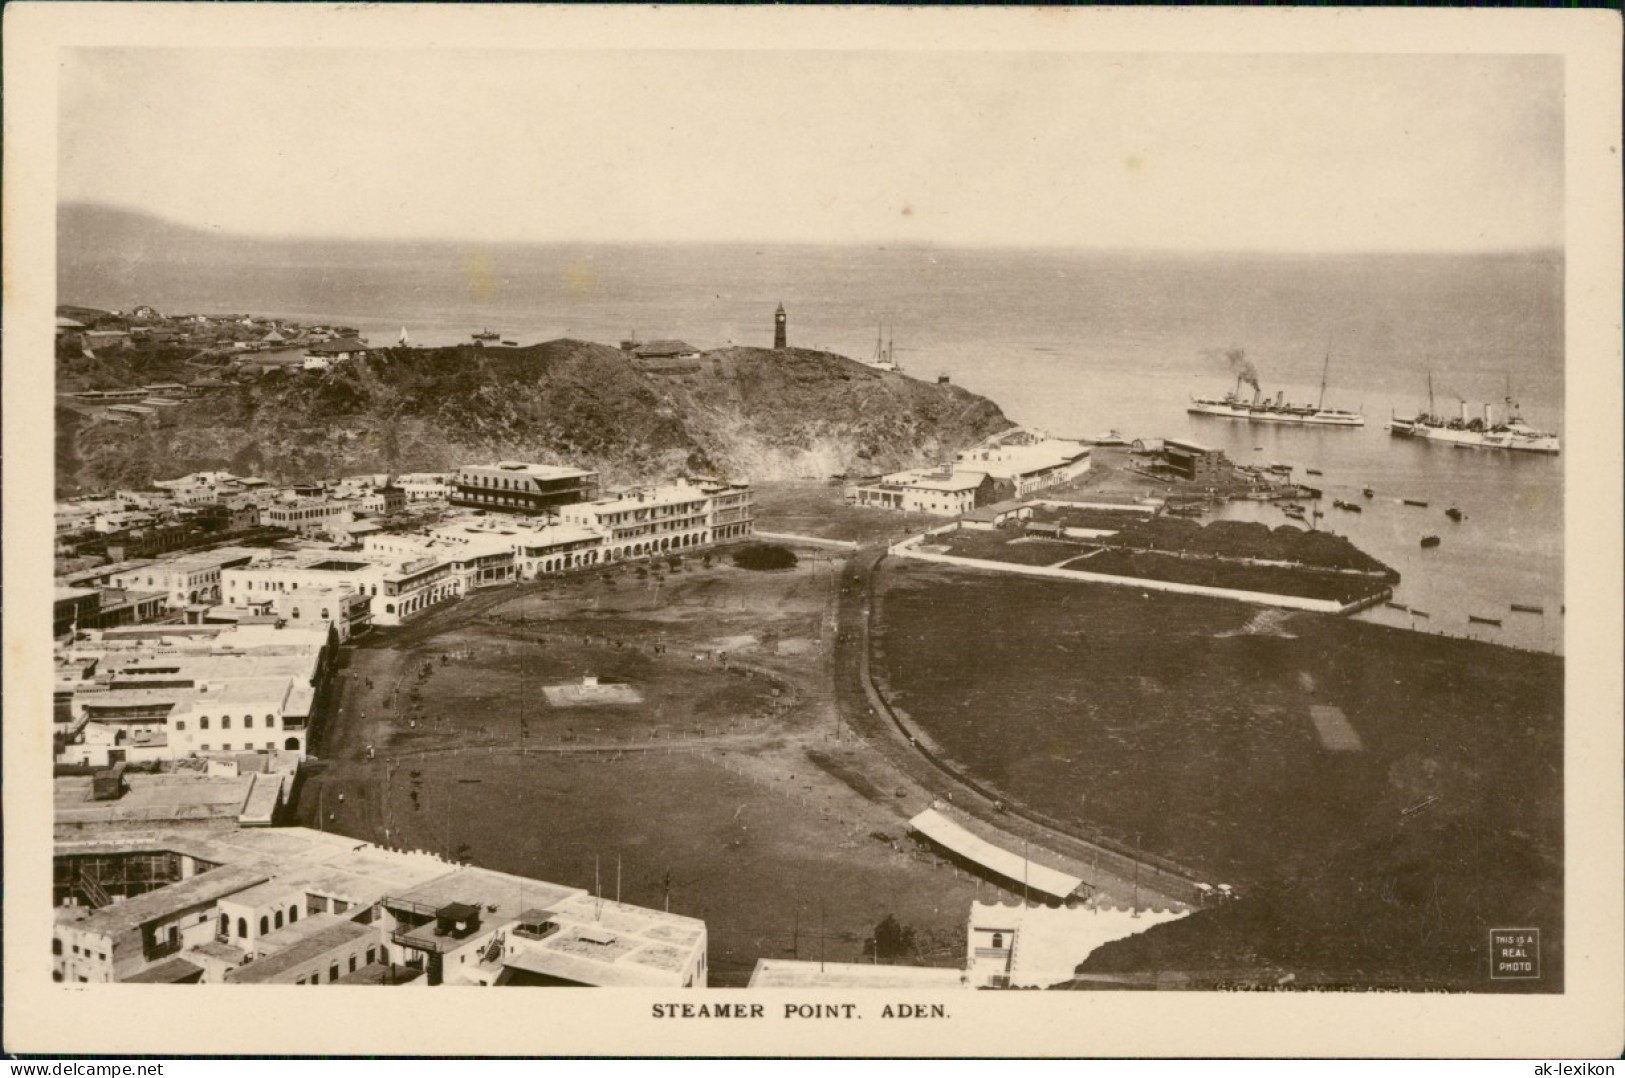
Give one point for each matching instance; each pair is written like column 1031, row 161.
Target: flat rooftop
column 510, row 895
column 1025, row 459
column 204, row 889
column 532, row 471
column 176, row 796
column 608, row 944
column 316, row 862
column 296, row 933
column 330, row 938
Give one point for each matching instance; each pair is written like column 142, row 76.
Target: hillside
column 742, row 411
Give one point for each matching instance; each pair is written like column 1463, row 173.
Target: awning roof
column 940, row 829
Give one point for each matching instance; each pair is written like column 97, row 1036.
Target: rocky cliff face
column 744, row 412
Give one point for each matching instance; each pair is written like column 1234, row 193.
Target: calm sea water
column 1072, row 341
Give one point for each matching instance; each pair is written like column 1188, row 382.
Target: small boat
column 1429, row 541
column 1281, row 469
column 1415, row 613
column 1396, row 606
column 1350, row 506
column 1415, row 502
column 1310, row 471
column 1453, row 513
column 1368, row 492
column 403, row 342
column 511, row 344
column 1476, row 620
column 487, row 335
column 1522, row 608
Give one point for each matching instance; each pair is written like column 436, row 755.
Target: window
column 56, row 946
column 203, row 722
column 242, row 928
column 278, row 919
column 372, row 955
column 204, row 746
column 265, row 925
column 180, row 724
column 248, row 722
column 352, row 963
column 270, row 722
column 226, row 747
column 333, row 972
column 225, row 722
column 293, row 914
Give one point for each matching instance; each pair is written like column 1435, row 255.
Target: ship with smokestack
column 1261, row 409
column 1475, row 432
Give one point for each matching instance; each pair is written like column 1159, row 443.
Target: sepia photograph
column 811, row 524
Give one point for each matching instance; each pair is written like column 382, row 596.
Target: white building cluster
column 297, row 906
column 1013, row 464
column 225, row 650
column 166, row 692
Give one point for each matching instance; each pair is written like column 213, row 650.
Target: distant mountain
column 747, row 412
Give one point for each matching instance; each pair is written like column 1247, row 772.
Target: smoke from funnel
column 1242, row 367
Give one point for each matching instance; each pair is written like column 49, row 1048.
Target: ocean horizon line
column 133, row 214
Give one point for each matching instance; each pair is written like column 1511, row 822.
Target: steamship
column 1260, row 409
column 1475, row 432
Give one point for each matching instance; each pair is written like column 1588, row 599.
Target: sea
column 1076, row 342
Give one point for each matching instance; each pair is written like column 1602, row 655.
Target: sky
column 1157, row 151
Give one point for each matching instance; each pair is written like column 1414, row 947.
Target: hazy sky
column 1184, row 152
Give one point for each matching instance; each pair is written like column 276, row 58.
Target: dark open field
column 1271, row 580
column 1008, row 545
column 1183, row 725
column 729, row 774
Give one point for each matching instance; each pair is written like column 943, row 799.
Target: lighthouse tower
column 779, row 320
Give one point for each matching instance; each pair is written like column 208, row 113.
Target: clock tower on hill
column 779, row 323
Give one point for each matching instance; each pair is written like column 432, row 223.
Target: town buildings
column 165, row 692
column 516, row 487
column 398, row 586
column 942, row 491
column 1013, row 464
column 671, row 518
column 1030, row 461
column 297, row 906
